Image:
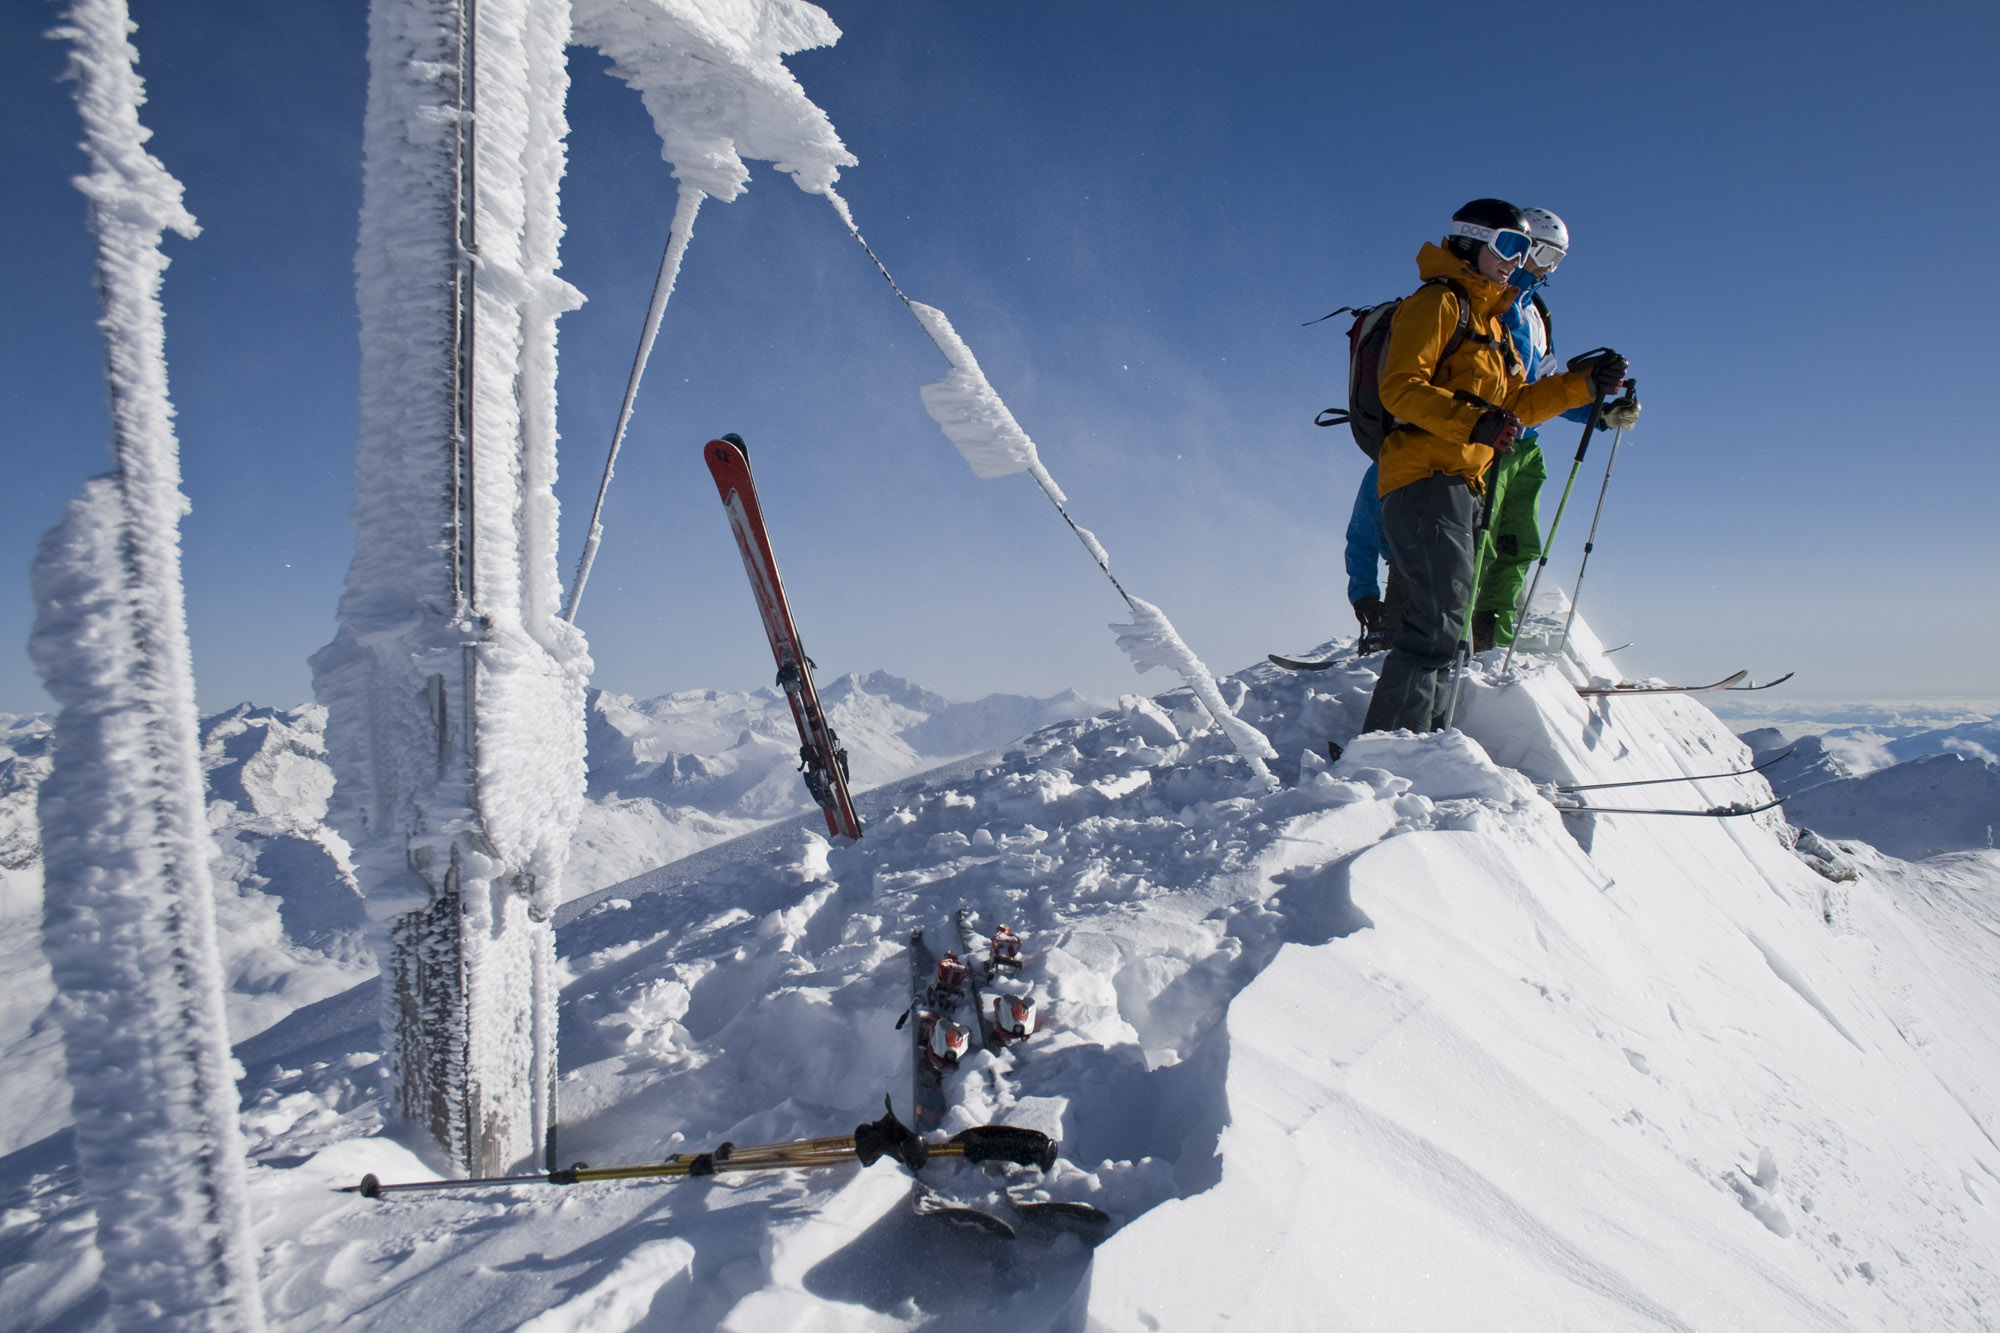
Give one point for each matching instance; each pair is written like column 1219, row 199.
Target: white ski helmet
column 1549, row 234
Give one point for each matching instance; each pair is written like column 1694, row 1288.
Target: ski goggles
column 1506, row 242
column 1546, row 255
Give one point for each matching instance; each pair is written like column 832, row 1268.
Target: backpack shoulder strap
column 1457, row 339
column 1548, row 324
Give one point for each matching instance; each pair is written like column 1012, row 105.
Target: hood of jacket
column 1489, row 298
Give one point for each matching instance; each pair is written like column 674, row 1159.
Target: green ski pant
column 1516, row 540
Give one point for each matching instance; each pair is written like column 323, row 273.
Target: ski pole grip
column 1007, row 1143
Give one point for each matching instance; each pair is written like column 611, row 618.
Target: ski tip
column 1300, row 664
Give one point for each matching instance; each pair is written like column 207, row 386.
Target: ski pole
column 1632, row 388
column 1548, row 542
column 1686, row 777
column 887, row 1137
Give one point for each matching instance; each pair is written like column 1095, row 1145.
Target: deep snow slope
column 1398, row 1046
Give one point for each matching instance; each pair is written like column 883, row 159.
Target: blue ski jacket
column 1531, row 340
column 1364, row 541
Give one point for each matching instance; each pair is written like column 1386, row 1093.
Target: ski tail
column 822, row 758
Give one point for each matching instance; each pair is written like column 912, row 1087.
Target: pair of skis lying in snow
column 942, row 990
column 993, row 1189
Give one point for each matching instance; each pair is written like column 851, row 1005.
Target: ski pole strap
column 889, row 1137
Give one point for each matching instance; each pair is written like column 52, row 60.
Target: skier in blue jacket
column 1365, row 554
column 1515, row 482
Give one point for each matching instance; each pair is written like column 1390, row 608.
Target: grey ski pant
column 1428, row 528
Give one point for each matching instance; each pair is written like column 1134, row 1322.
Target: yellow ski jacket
column 1440, row 403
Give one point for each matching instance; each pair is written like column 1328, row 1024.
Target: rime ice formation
column 128, row 904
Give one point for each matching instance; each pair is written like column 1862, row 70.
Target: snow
column 1398, row 1045
column 713, row 78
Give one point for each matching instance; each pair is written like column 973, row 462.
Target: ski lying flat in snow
column 988, row 1035
column 978, row 1203
column 1689, row 777
column 1725, row 683
column 821, row 757
column 928, row 1007
column 1729, row 811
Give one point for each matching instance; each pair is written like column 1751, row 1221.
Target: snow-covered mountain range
column 1395, row 1046
column 674, row 774
column 1911, row 791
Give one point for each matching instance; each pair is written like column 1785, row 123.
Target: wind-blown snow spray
column 129, row 905
column 978, row 423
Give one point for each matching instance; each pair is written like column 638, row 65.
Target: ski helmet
column 1551, row 237
column 1481, row 222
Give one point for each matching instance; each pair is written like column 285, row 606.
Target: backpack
column 1367, row 339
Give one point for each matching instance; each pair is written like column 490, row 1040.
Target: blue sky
column 1783, row 214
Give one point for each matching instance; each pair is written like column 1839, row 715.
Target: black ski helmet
column 1495, row 213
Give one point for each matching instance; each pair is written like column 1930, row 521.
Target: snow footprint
column 1756, row 1194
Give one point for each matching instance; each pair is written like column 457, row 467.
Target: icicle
column 663, row 290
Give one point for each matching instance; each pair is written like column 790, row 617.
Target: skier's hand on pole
column 1624, row 413
column 1497, row 428
column 1605, row 368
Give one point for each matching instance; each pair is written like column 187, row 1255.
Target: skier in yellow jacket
column 1454, row 414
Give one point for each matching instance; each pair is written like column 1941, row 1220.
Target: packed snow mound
column 1400, row 1045
column 1924, row 807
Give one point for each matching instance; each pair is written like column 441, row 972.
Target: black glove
column 1605, row 368
column 1497, row 428
column 1369, row 612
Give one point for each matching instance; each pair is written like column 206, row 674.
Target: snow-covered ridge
column 1396, row 1046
